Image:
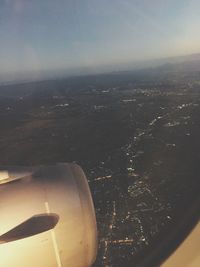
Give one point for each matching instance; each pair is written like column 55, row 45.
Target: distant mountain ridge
column 177, row 65
column 182, row 64
column 113, row 68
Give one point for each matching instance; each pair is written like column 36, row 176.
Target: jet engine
column 47, row 217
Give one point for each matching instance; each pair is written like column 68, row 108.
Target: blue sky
column 39, row 35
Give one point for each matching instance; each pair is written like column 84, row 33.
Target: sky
column 53, row 35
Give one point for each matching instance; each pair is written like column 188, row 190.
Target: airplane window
column 113, row 86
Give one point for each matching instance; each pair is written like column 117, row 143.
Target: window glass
column 113, row 86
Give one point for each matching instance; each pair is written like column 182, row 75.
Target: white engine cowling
column 47, row 217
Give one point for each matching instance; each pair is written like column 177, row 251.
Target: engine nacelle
column 47, row 217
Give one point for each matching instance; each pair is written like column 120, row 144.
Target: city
column 136, row 141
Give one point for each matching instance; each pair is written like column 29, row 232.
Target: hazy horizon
column 39, row 38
